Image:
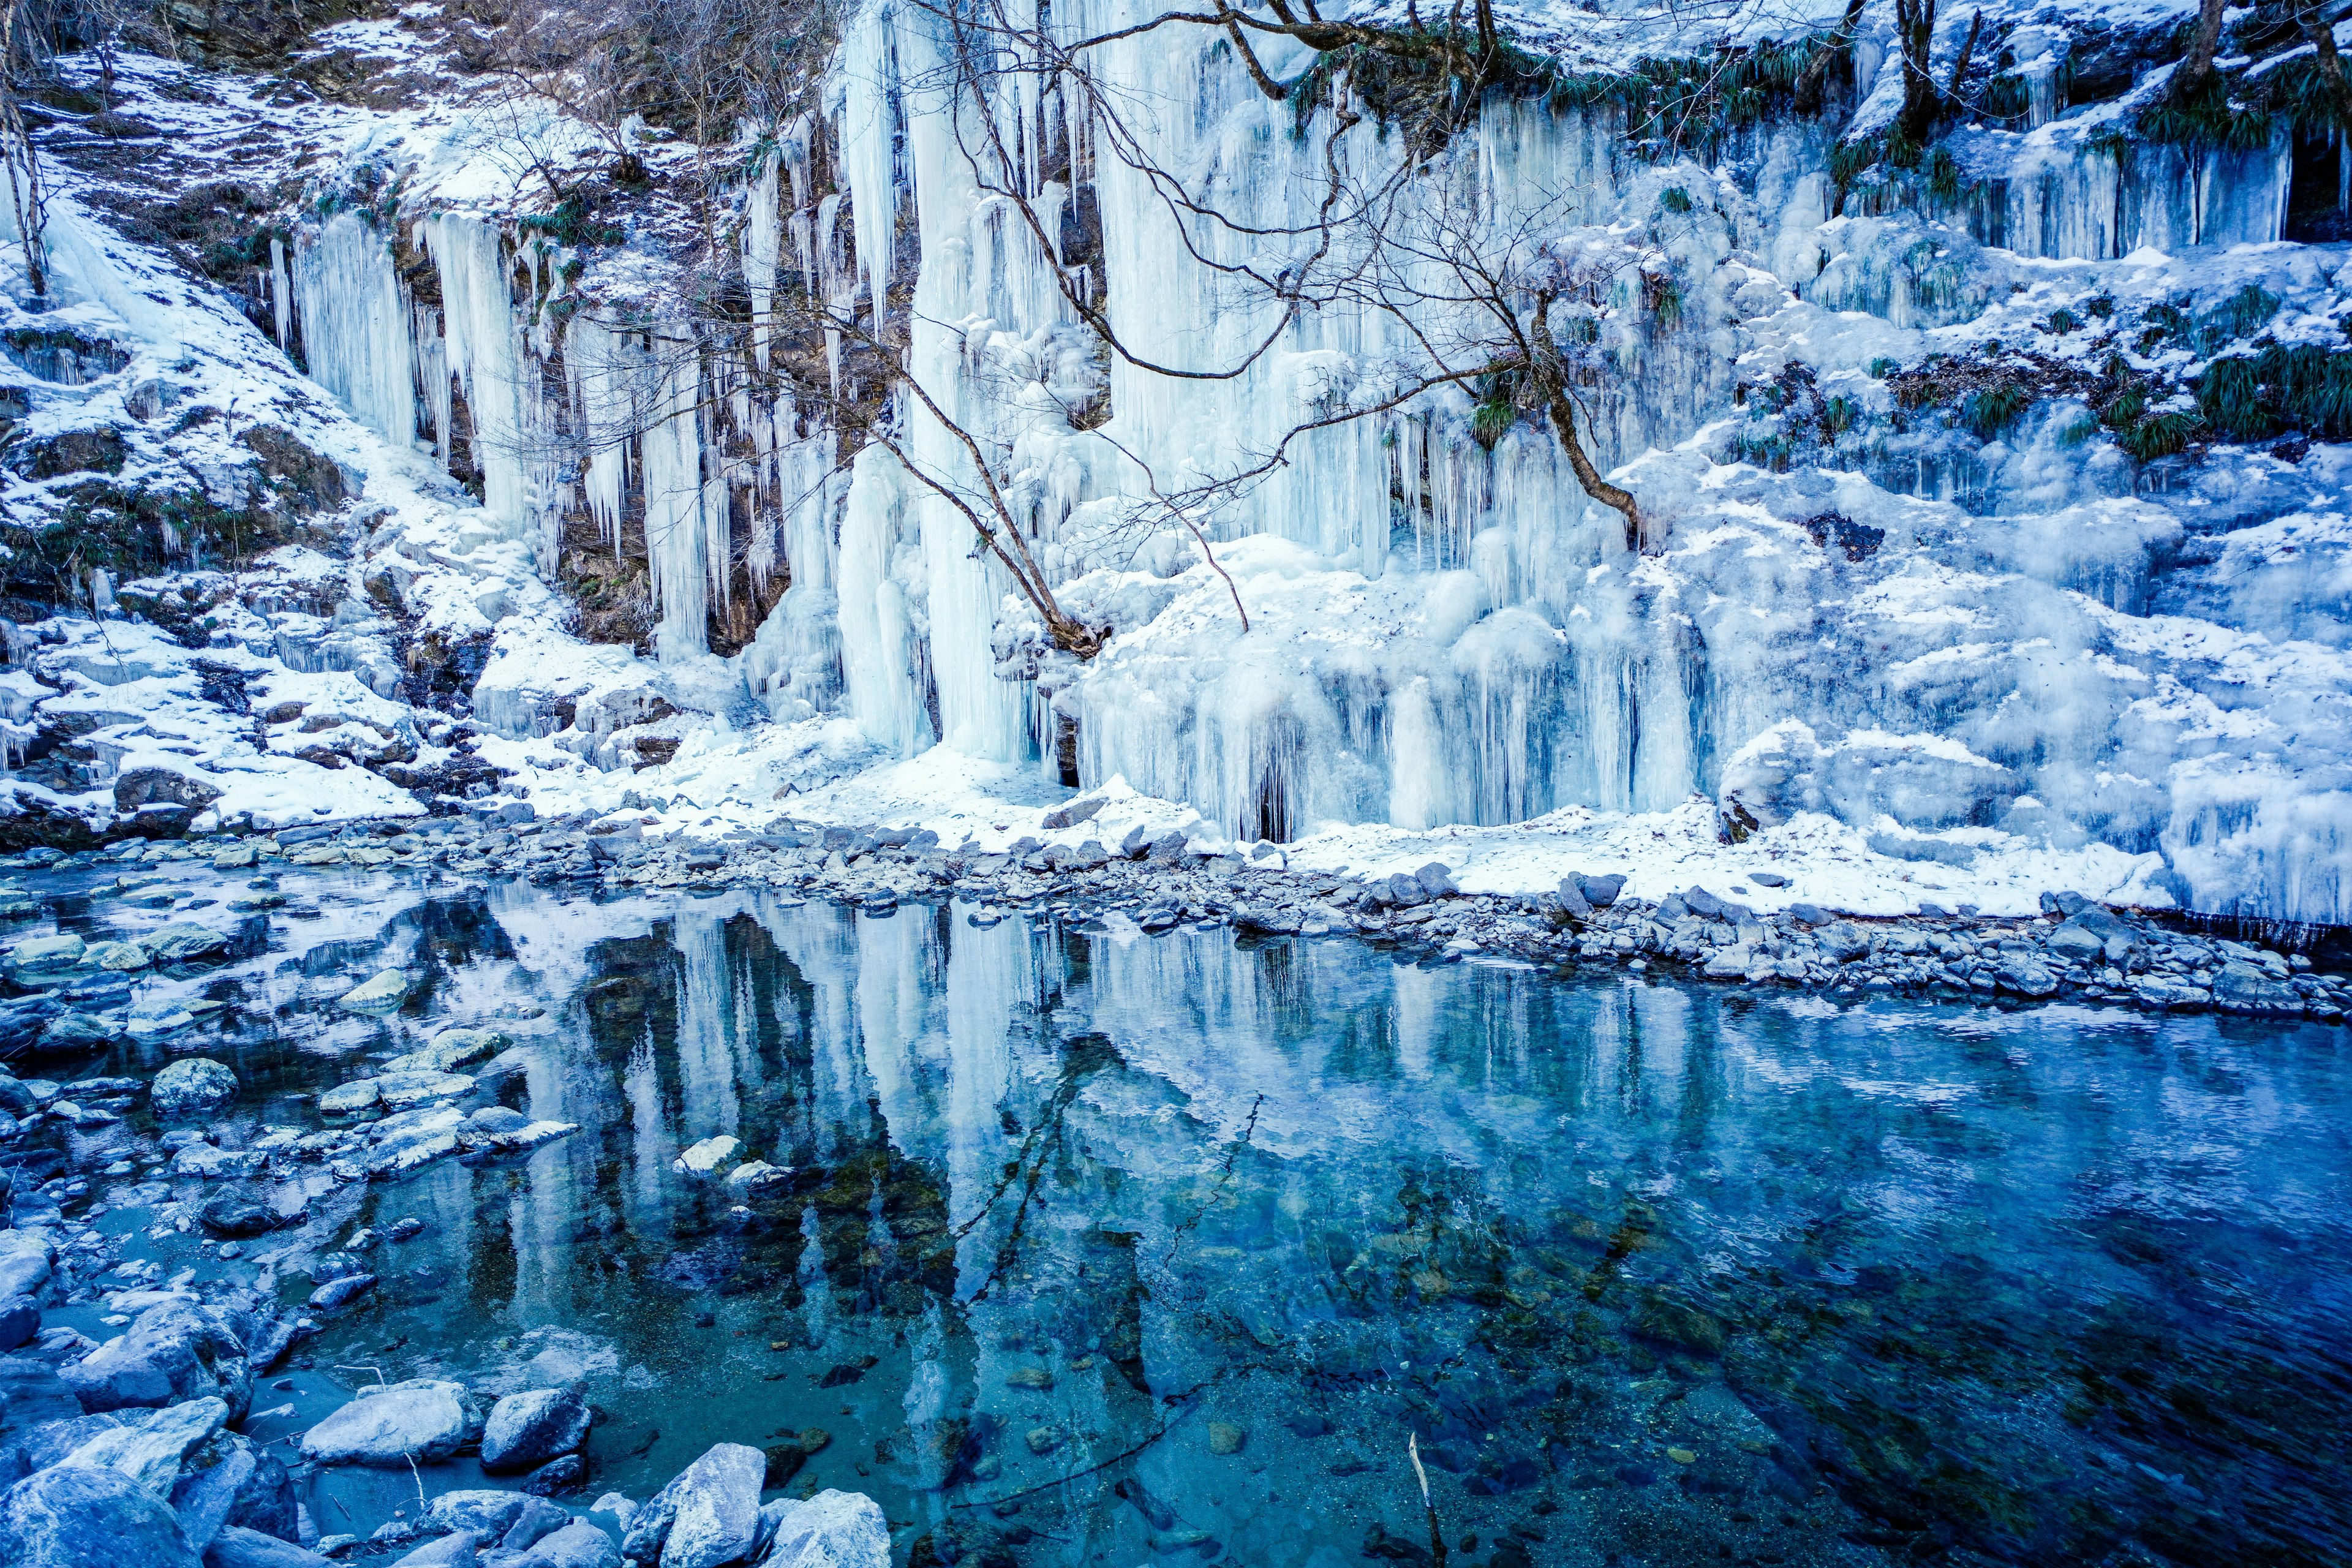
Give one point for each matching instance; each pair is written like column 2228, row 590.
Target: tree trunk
column 2202, row 46
column 1915, row 27
column 1812, row 82
column 2322, row 34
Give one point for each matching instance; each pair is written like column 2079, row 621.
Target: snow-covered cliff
column 1996, row 530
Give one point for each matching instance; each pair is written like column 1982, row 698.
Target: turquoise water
column 1102, row 1249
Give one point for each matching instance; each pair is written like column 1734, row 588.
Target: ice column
column 355, row 326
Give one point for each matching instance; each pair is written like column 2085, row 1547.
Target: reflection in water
column 1094, row 1247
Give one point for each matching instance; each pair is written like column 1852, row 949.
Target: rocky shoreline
column 2076, row 950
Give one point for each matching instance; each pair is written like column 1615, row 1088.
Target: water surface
column 1101, row 1248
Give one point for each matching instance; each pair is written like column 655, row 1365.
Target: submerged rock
column 383, row 993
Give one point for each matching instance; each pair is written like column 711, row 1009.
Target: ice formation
column 1943, row 643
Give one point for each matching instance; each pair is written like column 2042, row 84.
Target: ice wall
column 356, row 325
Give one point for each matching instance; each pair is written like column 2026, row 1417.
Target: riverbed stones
column 399, row 1090
column 150, row 1448
column 184, row 941
column 193, row 1085
column 238, row 1217
column 25, row 1259
column 348, row 1099
column 238, row 1547
column 527, row 1430
column 20, row 1319
column 709, row 1514
column 82, row 1516
column 509, row 1521
column 339, row 1293
column 422, row 1419
column 37, row 956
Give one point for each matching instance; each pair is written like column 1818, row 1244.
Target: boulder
column 150, row 1449
column 84, row 1516
column 20, row 1319
column 34, row 1393
column 413, row 1138
column 230, row 1483
column 423, row 1419
column 458, row 1550
column 234, row 1216
column 184, row 941
column 399, row 1090
column 707, row 1516
column 191, row 1085
column 2240, row 987
column 702, row 1159
column 336, row 1294
column 527, row 1430
column 1572, row 901
column 1599, row 891
column 46, row 955
column 579, row 1544
column 235, row 1547
column 383, row 993
column 26, row 1258
column 508, row 1521
column 1436, row 880
column 347, row 1099
column 831, row 1529
column 558, row 1475
column 174, row 1350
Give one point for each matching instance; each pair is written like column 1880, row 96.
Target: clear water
column 1648, row 1273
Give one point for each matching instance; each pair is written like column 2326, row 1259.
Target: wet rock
column 785, row 1459
column 422, row 1419
column 149, row 1450
column 39, row 955
column 232, row 1215
column 398, row 1091
column 756, row 1174
column 2240, row 987
column 708, row 1515
column 184, row 941
column 454, row 1551
column 527, row 1430
column 556, row 1477
column 345, row 1100
column 1665, row 1320
column 81, row 1516
column 236, row 1547
column 191, row 1085
column 579, row 1544
column 831, row 1529
column 173, row 1350
column 120, row 956
column 383, row 993
column 413, row 1138
column 20, row 1319
column 336, row 1294
column 1224, row 1437
column 508, row 1521
column 2026, row 977
column 702, row 1159
column 229, row 1482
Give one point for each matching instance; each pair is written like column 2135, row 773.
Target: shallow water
column 1649, row 1274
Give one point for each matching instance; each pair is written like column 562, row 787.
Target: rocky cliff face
column 429, row 410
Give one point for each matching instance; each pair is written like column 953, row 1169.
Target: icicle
column 282, row 293
column 355, row 326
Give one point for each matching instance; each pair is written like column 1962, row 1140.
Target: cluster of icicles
column 1528, row 663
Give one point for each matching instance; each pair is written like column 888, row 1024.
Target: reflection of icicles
column 650, row 1136
column 706, row 1029
column 356, row 325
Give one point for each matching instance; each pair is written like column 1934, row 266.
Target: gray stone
column 1599, row 891
column 558, row 1475
column 707, row 1516
column 150, row 1449
column 1436, row 880
column 2240, row 987
column 2026, row 977
column 508, row 1520
column 32, row 1393
column 1809, row 914
column 184, row 941
column 1844, row 942
column 421, row 1420
column 1573, row 899
column 527, row 1430
column 831, row 1529
column 81, row 1516
column 229, row 1482
column 191, row 1085
column 235, row 1547
column 454, row 1551
column 2077, row 943
column 173, row 1350
column 339, row 1293
column 20, row 1319
column 579, row 1544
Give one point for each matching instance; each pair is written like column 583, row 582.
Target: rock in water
column 184, row 941
column 707, row 1156
column 456, row 1550
column 20, row 1319
column 81, row 1516
column 173, row 1350
column 150, row 1450
column 559, row 1475
column 192, row 1084
column 229, row 1215
column 526, row 1430
column 235, row 1547
column 708, row 1515
column 831, row 1529
column 579, row 1544
column 229, row 1482
column 339, row 1293
column 383, row 993
column 423, row 1419
column 508, row 1521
